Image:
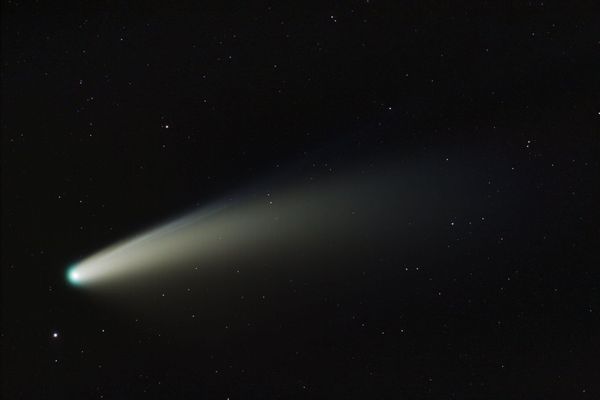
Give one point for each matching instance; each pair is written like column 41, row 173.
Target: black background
column 117, row 116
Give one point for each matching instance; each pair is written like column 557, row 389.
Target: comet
column 306, row 221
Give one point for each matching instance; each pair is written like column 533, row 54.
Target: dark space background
column 117, row 116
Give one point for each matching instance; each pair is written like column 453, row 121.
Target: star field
column 469, row 269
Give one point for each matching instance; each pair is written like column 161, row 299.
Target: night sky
column 470, row 269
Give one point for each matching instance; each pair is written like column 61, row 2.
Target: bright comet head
column 73, row 276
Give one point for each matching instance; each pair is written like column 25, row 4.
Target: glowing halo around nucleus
column 73, row 275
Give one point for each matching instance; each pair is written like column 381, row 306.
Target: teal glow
column 72, row 276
